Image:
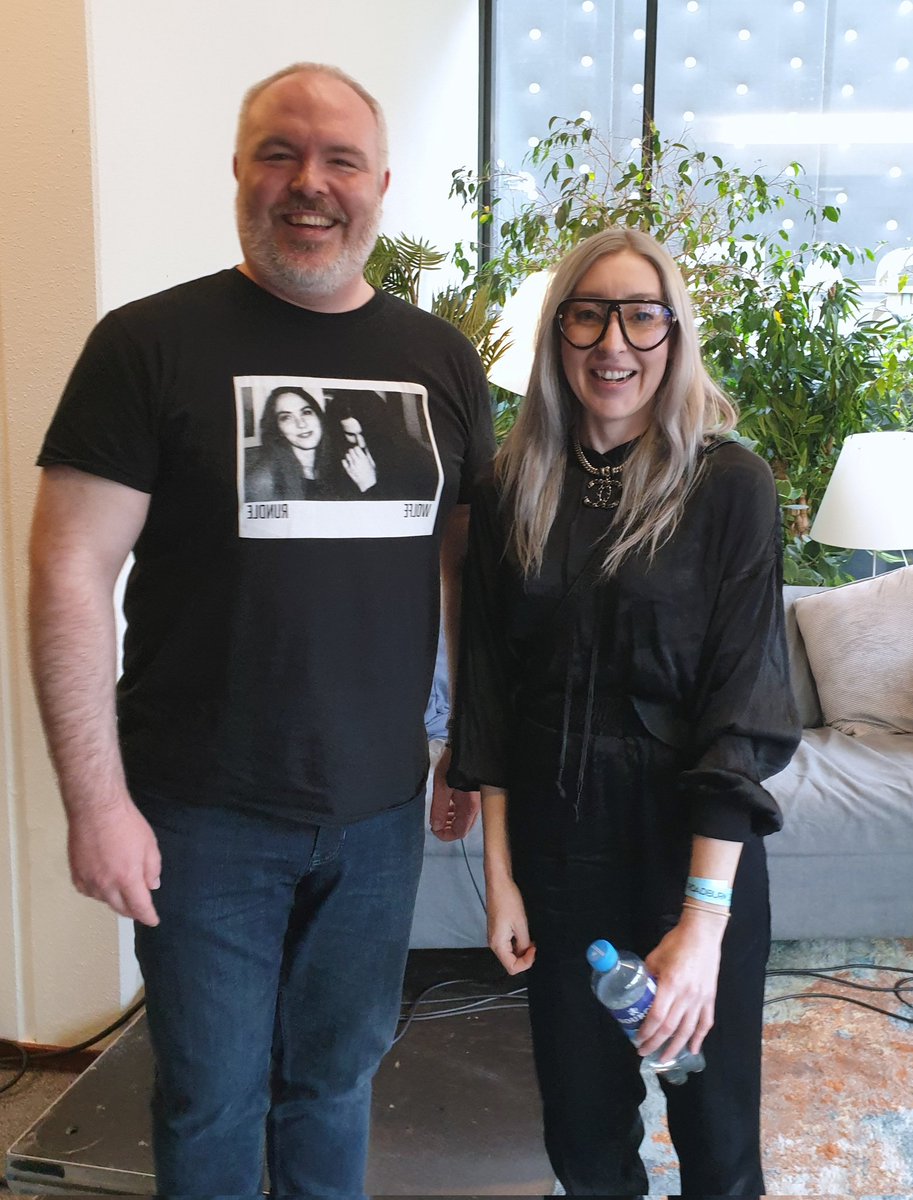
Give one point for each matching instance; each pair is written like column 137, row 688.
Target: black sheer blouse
column 693, row 641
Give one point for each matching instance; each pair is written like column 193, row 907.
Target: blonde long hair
column 688, row 408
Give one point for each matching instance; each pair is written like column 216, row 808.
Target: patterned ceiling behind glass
column 828, row 83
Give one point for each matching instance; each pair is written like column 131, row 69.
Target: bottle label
column 631, row 1017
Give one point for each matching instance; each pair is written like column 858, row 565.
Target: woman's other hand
column 508, row 932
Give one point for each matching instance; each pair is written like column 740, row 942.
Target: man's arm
column 84, row 527
column 453, row 813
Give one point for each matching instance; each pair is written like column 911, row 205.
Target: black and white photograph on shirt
column 334, row 458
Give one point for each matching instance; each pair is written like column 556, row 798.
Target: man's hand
column 114, row 857
column 453, row 813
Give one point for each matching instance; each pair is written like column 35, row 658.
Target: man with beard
column 251, row 792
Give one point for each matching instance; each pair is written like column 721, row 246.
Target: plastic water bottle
column 624, row 985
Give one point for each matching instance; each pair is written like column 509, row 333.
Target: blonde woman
column 623, row 691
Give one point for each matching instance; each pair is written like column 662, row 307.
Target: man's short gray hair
column 319, row 69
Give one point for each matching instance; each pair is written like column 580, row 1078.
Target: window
column 827, row 83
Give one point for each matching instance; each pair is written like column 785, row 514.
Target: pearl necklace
column 605, row 484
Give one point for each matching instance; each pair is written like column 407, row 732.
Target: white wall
column 165, row 113
column 58, row 973
column 116, row 147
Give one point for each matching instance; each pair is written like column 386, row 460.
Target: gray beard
column 292, row 278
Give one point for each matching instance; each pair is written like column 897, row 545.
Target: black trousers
column 612, row 863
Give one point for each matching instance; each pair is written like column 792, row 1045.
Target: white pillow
column 859, row 641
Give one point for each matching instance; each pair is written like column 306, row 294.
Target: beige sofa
column 843, row 864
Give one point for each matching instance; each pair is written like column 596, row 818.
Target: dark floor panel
column 456, row 1111
column 455, row 1105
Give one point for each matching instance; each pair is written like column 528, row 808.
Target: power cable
column 459, row 1006
column 24, row 1058
column 23, row 1064
column 897, row 989
column 472, row 877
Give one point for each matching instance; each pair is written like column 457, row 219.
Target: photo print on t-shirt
column 335, row 458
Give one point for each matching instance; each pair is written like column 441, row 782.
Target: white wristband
column 711, row 891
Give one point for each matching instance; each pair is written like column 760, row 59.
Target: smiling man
column 251, row 791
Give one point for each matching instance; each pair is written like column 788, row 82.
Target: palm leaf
column 396, row 265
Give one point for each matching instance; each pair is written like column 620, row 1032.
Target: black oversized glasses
column 584, row 320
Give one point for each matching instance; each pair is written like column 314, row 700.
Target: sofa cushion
column 846, row 796
column 858, row 643
column 800, row 673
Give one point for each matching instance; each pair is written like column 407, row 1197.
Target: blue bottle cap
column 602, row 955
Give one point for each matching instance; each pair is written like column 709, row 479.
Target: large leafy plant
column 807, row 367
column 710, row 214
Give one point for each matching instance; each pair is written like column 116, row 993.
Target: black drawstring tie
column 588, row 711
column 566, row 718
column 588, row 716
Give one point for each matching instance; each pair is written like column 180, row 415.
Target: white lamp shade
column 868, row 504
column 520, row 318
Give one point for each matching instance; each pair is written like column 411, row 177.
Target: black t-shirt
column 279, row 648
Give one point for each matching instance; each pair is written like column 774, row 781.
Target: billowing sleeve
column 744, row 717
column 482, row 709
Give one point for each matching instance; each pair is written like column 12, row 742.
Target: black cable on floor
column 885, row 1012
column 24, row 1059
column 459, row 1006
column 902, row 985
column 23, row 1063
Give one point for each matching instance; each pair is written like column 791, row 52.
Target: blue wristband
column 711, row 891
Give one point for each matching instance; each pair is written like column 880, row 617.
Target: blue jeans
column 273, row 986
